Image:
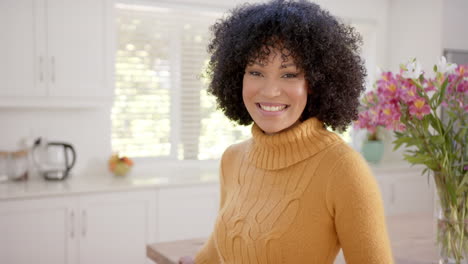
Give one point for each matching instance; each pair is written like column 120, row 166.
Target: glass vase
column 452, row 224
column 452, row 239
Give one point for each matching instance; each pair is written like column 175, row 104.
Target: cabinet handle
column 41, row 69
column 72, row 224
column 52, row 69
column 83, row 227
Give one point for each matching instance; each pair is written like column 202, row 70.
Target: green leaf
column 425, row 124
column 452, row 115
column 399, row 141
column 451, row 191
column 409, row 141
column 418, row 159
column 438, row 139
column 435, row 123
column 461, row 135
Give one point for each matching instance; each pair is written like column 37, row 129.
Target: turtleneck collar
column 283, row 149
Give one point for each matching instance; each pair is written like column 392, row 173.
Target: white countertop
column 78, row 184
column 105, row 182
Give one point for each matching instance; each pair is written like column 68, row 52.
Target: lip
column 271, row 113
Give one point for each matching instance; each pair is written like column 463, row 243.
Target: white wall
column 88, row 130
column 415, row 31
column 454, row 26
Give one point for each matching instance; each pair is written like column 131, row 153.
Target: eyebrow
column 283, row 66
column 287, row 65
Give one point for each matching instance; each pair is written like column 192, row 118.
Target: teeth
column 272, row 108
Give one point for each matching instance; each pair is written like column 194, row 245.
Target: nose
column 270, row 89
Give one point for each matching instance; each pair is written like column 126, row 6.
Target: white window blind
column 161, row 107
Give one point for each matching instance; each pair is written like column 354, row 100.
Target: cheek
column 248, row 89
column 300, row 94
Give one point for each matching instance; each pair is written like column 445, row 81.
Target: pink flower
column 462, row 70
column 463, row 87
column 419, row 108
column 388, row 90
column 370, row 98
column 387, row 76
column 408, row 93
column 368, row 120
column 390, row 115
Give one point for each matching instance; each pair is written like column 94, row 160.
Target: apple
column 119, row 165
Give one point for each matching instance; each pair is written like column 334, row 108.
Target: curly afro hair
column 326, row 50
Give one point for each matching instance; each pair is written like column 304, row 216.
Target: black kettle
column 54, row 160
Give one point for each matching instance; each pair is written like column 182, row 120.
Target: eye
column 290, row 75
column 255, row 73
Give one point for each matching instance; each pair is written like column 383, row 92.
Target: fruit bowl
column 120, row 166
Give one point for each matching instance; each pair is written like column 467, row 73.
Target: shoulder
column 348, row 165
column 236, row 150
column 341, row 154
column 351, row 178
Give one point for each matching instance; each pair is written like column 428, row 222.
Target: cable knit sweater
column 297, row 197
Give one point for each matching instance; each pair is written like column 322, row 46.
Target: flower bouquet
column 412, row 104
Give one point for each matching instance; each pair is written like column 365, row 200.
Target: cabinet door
column 187, row 212
column 116, row 227
column 76, row 39
column 405, row 191
column 38, row 231
column 22, row 51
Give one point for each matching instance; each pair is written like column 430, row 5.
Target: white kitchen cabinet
column 58, row 52
column 86, row 229
column 22, row 48
column 116, row 228
column 41, row 231
column 187, row 212
column 405, row 190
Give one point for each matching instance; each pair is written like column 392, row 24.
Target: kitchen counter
column 411, row 237
column 79, row 184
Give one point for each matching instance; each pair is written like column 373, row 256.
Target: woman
column 294, row 193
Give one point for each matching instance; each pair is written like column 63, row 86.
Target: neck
column 289, row 146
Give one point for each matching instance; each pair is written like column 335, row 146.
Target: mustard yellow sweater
column 297, row 197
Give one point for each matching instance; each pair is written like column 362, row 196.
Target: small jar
column 18, row 165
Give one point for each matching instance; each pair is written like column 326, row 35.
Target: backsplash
column 88, row 130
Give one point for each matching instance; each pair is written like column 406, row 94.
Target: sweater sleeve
column 355, row 201
column 208, row 254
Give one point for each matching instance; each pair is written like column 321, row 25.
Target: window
column 161, row 106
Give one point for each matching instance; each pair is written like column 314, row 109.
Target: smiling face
column 274, row 93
